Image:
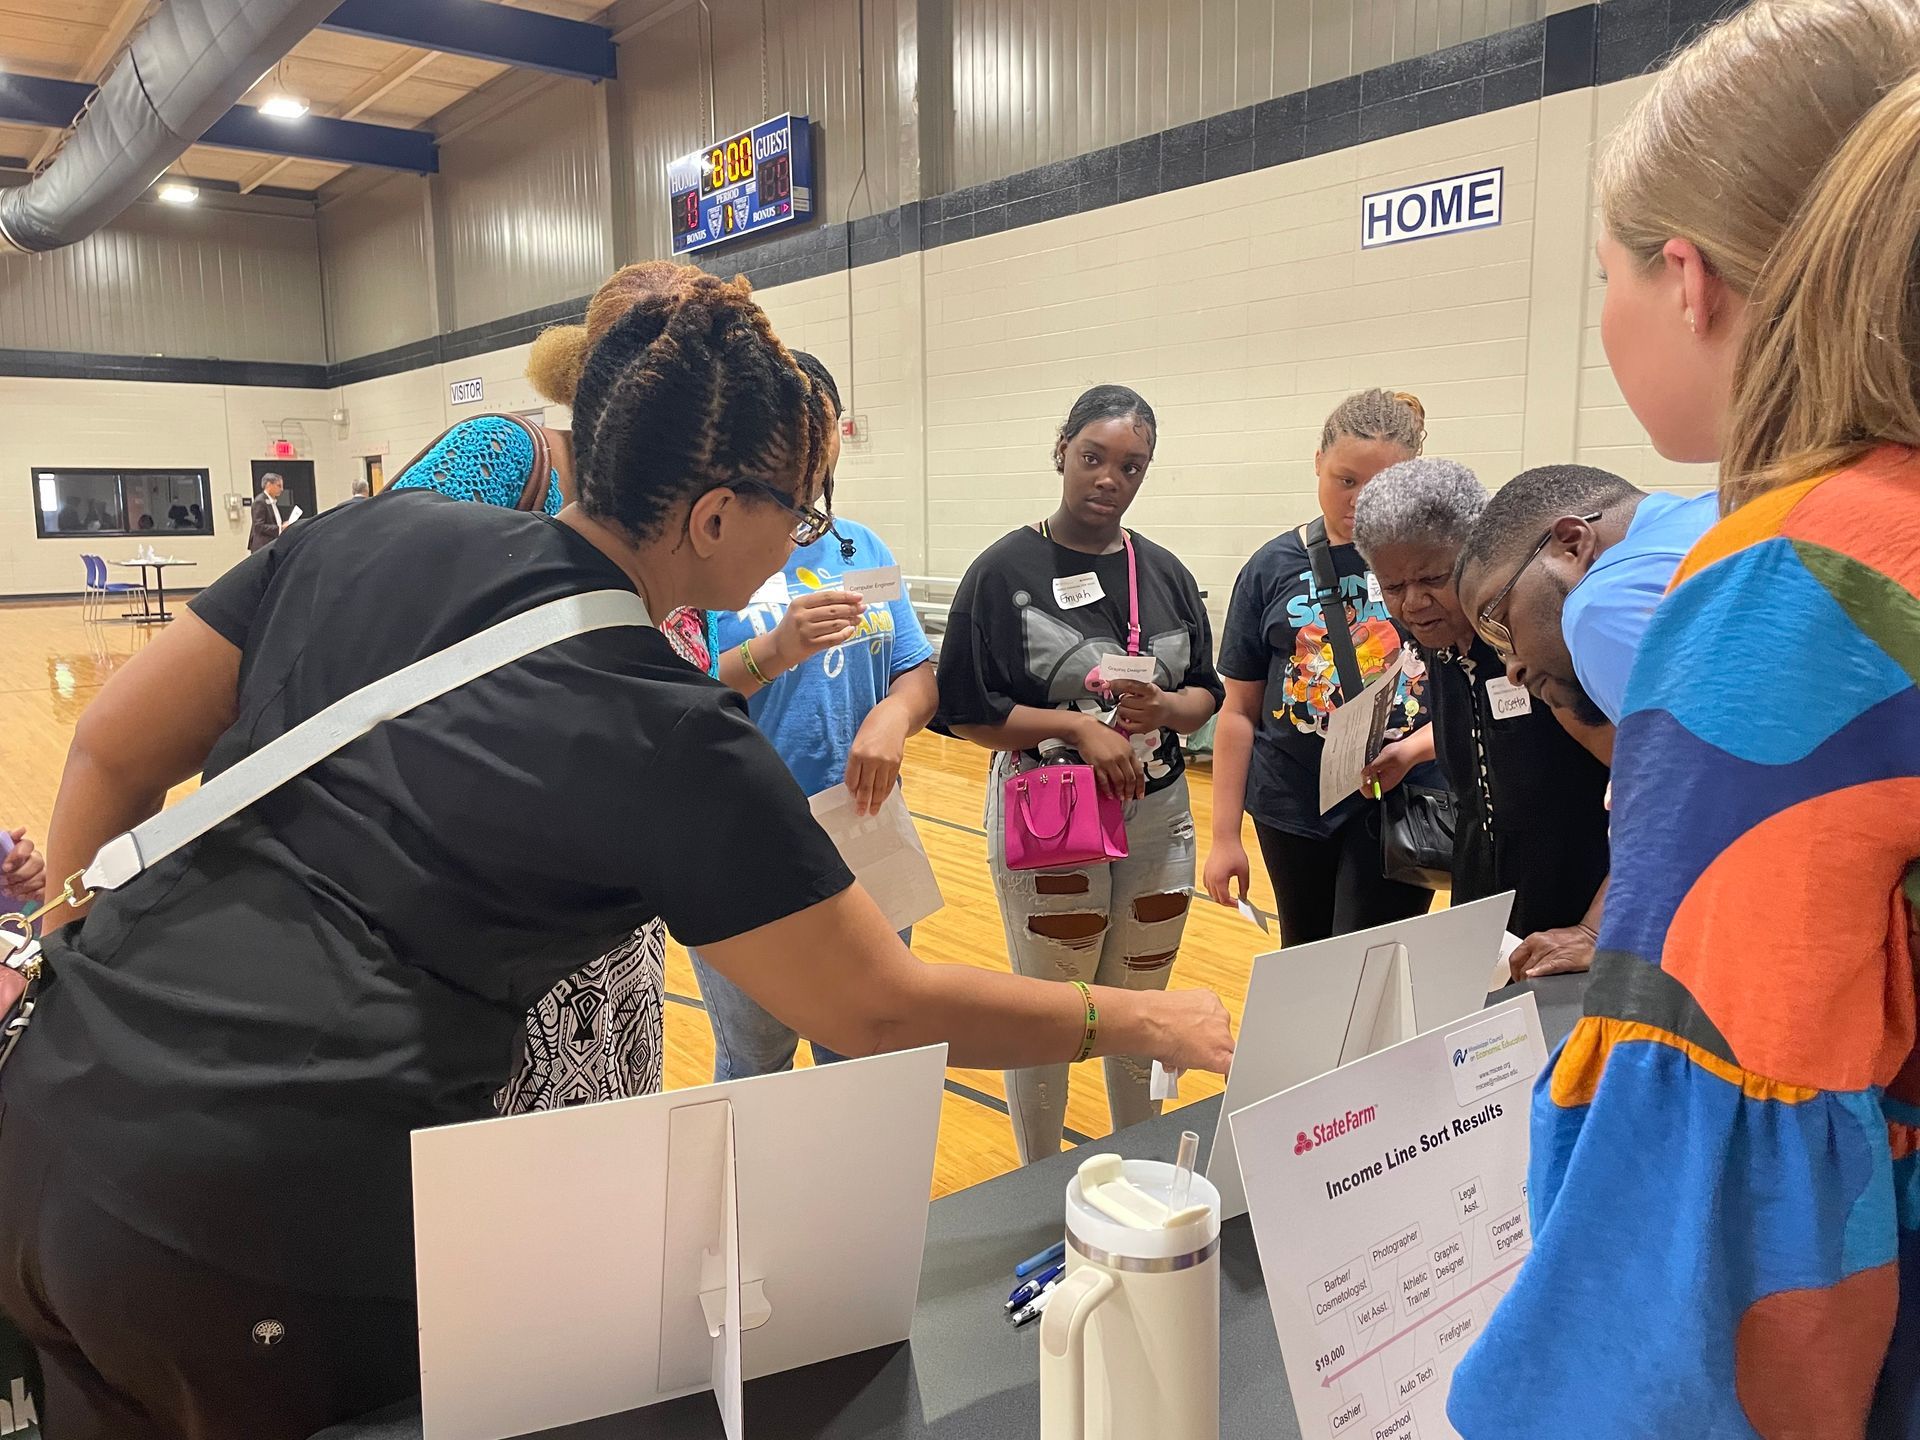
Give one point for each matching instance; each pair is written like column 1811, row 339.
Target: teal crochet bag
column 496, row 459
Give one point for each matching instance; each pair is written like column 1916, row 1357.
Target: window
column 79, row 503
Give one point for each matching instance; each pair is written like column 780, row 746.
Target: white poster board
column 1315, row 1007
column 1389, row 1203
column 584, row 1262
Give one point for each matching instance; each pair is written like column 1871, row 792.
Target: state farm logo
column 1333, row 1129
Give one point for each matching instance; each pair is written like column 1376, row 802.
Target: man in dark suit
column 270, row 517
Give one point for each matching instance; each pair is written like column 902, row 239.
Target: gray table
column 965, row 1372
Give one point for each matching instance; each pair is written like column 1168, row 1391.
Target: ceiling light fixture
column 174, row 193
column 283, row 107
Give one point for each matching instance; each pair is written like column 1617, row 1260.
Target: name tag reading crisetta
column 1507, row 700
column 1072, row 591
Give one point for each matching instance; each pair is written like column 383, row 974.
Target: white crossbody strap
column 346, row 720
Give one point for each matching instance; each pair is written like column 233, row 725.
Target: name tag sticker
column 1140, row 669
column 1507, row 700
column 874, row 586
column 1373, row 589
column 774, row 592
column 1073, row 591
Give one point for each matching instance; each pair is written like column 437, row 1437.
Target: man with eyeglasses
column 1561, row 575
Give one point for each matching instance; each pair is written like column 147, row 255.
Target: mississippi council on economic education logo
column 1484, row 1048
column 1332, row 1129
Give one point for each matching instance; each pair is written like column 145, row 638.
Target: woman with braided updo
column 213, row 1105
column 1282, row 663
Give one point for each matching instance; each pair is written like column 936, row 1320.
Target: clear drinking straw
column 1183, row 1171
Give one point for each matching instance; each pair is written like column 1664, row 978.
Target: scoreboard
column 757, row 180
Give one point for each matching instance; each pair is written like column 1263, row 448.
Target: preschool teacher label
column 1409, row 1168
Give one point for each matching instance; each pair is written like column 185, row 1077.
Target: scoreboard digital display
column 757, row 180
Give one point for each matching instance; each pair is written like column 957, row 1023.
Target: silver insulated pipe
column 184, row 69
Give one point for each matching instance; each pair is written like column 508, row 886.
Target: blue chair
column 100, row 590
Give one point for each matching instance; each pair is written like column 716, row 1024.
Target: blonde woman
column 1724, row 1186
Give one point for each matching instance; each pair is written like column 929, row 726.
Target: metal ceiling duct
column 185, row 67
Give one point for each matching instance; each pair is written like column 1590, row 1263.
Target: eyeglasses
column 1495, row 632
column 810, row 522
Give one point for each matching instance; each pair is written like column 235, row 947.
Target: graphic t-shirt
column 1275, row 635
column 812, row 713
column 1032, row 620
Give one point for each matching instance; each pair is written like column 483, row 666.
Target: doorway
column 299, row 477
column 376, row 473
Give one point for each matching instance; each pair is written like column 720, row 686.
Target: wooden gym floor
column 52, row 664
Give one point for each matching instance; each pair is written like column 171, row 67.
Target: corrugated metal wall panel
column 810, row 65
column 1037, row 83
column 379, row 283
column 200, row 282
column 523, row 199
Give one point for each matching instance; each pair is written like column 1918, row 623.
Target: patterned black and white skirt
column 597, row 1035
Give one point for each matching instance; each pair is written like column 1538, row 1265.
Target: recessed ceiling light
column 174, row 193
column 283, row 107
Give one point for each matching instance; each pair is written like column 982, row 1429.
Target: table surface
column 966, row 1373
column 152, row 564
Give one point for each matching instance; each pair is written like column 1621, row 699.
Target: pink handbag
column 1054, row 816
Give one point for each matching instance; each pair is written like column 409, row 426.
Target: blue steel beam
column 524, row 39
column 321, row 137
column 36, row 100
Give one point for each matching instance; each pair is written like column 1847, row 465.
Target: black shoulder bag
column 1416, row 823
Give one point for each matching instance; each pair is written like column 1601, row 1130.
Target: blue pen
column 1046, row 1257
column 1034, row 1286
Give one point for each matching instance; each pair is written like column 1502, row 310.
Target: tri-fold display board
column 585, row 1262
column 1317, row 1007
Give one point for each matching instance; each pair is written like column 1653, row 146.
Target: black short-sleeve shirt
column 1018, row 633
column 233, row 1048
column 1532, row 814
column 1275, row 636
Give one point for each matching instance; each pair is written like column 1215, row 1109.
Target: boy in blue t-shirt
column 861, row 683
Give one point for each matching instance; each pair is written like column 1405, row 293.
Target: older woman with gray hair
column 1532, row 817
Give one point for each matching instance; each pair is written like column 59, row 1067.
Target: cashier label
column 1507, row 700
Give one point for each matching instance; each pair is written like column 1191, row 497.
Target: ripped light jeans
column 1117, row 924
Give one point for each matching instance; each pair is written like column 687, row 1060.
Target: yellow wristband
column 753, row 667
column 1093, row 1021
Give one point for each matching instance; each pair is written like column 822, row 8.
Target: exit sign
column 466, row 392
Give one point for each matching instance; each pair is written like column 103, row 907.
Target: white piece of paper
column 1073, row 591
column 773, row 592
column 291, row 518
column 1389, row 1206
column 1507, row 700
column 884, row 852
column 1353, row 735
column 873, row 586
column 1139, row 669
column 1502, row 975
column 1163, row 1084
column 1373, row 589
column 1254, row 914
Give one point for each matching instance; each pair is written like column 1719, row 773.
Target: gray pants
column 1118, row 924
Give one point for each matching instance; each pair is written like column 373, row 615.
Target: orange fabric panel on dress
column 1576, row 1078
column 1786, row 944
column 1869, row 514
column 1805, row 1362
column 1752, row 523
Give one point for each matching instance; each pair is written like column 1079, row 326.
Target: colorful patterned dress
column 1724, row 1182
